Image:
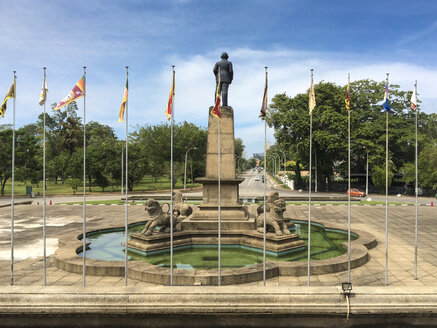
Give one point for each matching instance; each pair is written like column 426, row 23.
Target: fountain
column 196, row 227
column 237, row 227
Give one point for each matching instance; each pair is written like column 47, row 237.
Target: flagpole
column 44, row 187
column 386, row 190
column 13, row 180
column 122, row 175
column 416, row 189
column 349, row 185
column 84, row 180
column 309, row 192
column 265, row 183
column 219, row 206
column 126, row 220
column 171, row 181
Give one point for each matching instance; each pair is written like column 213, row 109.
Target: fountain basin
column 67, row 258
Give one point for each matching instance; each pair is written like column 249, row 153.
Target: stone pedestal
column 231, row 210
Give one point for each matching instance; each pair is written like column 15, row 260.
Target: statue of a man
column 226, row 76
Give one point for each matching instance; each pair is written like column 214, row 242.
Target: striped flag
column 218, row 95
column 386, row 100
column 348, row 98
column 169, row 109
column 262, row 112
column 123, row 103
column 414, row 100
column 312, row 98
column 77, row 92
column 10, row 94
column 43, row 95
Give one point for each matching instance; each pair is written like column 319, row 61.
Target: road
column 249, row 187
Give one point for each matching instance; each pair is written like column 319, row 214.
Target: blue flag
column 386, row 101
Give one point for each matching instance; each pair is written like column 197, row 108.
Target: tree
column 427, row 172
column 5, row 155
column 379, row 176
column 155, row 145
column 239, row 147
column 290, row 118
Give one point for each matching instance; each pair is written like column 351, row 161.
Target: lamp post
column 237, row 162
column 285, row 160
column 274, row 163
column 279, row 161
column 367, row 172
column 185, row 172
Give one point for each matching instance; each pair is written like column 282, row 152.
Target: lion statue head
column 153, row 208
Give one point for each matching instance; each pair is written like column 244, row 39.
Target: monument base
column 160, row 242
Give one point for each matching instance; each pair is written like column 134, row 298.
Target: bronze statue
column 226, row 76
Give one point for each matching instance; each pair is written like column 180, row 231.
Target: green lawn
column 362, row 202
column 147, row 184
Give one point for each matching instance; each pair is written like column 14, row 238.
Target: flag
column 262, row 112
column 386, row 101
column 44, row 90
column 169, row 109
column 77, row 92
column 312, row 98
column 348, row 98
column 414, row 100
column 216, row 110
column 123, row 103
column 10, row 94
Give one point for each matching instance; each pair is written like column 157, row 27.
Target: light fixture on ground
column 346, row 287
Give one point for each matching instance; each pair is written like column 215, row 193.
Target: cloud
column 289, row 71
column 419, row 35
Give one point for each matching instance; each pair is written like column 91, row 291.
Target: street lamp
column 274, row 165
column 279, row 161
column 285, row 160
column 367, row 172
column 237, row 162
column 185, row 174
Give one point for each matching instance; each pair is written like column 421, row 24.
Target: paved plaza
column 68, row 218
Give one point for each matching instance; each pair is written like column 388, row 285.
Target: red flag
column 77, row 92
column 169, row 109
column 216, row 110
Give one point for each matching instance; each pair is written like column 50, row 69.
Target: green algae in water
column 325, row 244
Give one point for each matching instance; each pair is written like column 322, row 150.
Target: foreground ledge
column 249, row 306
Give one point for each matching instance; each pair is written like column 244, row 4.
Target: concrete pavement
column 62, row 219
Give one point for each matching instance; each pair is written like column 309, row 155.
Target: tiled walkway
column 60, row 219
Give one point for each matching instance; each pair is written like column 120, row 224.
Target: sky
column 366, row 38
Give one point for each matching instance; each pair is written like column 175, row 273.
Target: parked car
column 356, row 193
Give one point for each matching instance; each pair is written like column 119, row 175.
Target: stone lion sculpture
column 275, row 221
column 272, row 196
column 180, row 208
column 158, row 217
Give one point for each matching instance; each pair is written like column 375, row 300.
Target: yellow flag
column 43, row 95
column 10, row 94
column 312, row 96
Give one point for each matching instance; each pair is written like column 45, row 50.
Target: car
column 256, row 179
column 356, row 193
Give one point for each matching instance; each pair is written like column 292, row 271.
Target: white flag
column 414, row 99
column 44, row 90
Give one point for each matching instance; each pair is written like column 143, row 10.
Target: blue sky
column 366, row 38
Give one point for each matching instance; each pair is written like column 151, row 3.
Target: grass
column 147, row 184
column 362, row 202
